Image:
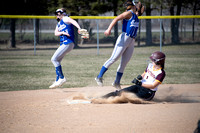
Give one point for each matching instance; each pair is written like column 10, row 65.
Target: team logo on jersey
column 151, row 73
column 61, row 27
column 135, row 24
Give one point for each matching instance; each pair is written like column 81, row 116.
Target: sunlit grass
column 21, row 70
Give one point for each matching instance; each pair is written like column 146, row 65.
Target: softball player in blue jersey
column 64, row 29
column 125, row 43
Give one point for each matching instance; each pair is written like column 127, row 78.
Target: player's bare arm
column 143, row 74
column 58, row 33
column 125, row 15
column 72, row 21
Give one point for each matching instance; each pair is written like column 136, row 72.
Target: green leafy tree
column 194, row 7
column 22, row 7
column 149, row 6
column 175, row 22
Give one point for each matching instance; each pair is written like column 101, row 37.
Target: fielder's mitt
column 84, row 33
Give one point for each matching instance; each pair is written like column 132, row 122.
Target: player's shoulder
column 163, row 71
column 66, row 19
column 132, row 12
column 150, row 65
column 127, row 15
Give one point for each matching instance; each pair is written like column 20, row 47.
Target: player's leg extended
column 132, row 89
column 56, row 60
column 126, row 56
column 117, row 52
column 112, row 94
column 60, row 53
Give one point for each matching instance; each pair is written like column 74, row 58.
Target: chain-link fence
column 188, row 31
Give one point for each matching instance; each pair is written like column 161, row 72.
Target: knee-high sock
column 59, row 71
column 103, row 70
column 118, row 77
column 57, row 75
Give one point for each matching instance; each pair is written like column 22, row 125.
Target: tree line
column 96, row 7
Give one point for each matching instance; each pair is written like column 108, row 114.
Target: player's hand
column 137, row 82
column 107, row 32
column 79, row 32
column 139, row 77
column 134, row 81
column 66, row 34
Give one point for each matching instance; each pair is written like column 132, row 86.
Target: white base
column 78, row 101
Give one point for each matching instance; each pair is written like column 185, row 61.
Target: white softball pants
column 60, row 53
column 124, row 48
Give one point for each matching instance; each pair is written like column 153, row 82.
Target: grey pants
column 60, row 53
column 124, row 48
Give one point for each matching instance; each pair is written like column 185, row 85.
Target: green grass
column 21, row 70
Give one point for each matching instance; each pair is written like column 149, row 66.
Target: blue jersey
column 131, row 25
column 69, row 28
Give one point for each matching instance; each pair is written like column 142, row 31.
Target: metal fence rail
column 98, row 17
column 97, row 21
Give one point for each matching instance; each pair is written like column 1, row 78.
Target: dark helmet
column 128, row 4
column 64, row 12
column 59, row 11
column 131, row 2
column 158, row 58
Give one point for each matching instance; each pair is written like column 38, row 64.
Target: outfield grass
column 21, row 70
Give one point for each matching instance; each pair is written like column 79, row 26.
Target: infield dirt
column 175, row 108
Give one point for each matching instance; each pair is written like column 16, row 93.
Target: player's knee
column 53, row 59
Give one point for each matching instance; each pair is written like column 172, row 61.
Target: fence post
column 160, row 35
column 35, row 38
column 97, row 36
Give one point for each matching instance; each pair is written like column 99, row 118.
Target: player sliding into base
column 125, row 43
column 146, row 84
column 64, row 29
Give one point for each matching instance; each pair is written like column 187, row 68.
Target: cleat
column 117, row 86
column 60, row 82
column 99, row 81
column 53, row 86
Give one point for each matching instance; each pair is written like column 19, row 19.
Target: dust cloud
column 168, row 95
column 173, row 95
column 124, row 98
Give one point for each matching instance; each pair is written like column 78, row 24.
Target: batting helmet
column 158, row 58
